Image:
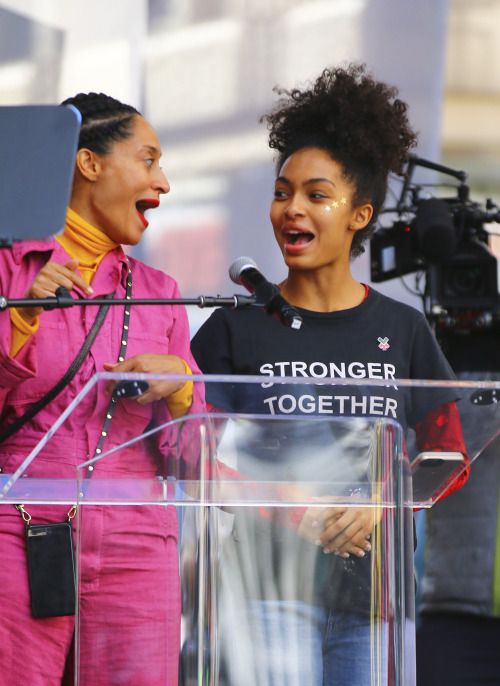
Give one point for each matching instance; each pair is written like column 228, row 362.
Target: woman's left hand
column 150, row 364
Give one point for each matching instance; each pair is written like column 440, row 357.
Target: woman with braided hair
column 129, row 579
column 308, row 614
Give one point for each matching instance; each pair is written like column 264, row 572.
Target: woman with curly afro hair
column 337, row 140
column 360, row 125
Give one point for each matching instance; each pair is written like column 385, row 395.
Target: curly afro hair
column 358, row 121
column 105, row 120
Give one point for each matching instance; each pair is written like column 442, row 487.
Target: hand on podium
column 342, row 530
column 150, row 364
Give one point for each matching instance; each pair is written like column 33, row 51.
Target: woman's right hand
column 49, row 278
column 340, row 530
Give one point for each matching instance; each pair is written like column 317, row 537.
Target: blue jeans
column 290, row 643
column 354, row 650
column 276, row 643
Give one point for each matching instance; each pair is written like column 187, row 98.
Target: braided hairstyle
column 358, row 121
column 105, row 120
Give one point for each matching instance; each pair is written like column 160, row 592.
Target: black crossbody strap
column 64, row 381
column 121, row 357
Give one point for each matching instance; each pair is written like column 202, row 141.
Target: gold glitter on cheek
column 333, row 205
column 343, row 201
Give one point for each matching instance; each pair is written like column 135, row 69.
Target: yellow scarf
column 83, row 241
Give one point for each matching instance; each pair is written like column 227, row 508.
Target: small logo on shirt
column 383, row 343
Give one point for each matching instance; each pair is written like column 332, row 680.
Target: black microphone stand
column 63, row 298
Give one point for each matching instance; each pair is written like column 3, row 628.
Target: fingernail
column 368, row 547
column 326, row 550
column 90, row 290
column 317, row 541
column 361, row 553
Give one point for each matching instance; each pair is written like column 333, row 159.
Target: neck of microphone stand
column 268, row 296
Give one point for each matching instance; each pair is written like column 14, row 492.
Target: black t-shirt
column 379, row 339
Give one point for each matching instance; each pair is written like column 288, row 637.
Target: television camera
column 444, row 240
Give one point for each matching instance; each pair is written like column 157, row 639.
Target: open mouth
column 298, row 238
column 142, row 206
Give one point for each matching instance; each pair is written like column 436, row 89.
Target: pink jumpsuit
column 129, row 585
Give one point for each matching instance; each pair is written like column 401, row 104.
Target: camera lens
column 465, row 280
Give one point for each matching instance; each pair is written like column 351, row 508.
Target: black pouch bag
column 51, row 569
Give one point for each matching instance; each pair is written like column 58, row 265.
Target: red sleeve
column 441, row 431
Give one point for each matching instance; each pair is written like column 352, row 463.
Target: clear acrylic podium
column 191, row 540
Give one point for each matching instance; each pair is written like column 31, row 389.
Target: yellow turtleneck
column 88, row 245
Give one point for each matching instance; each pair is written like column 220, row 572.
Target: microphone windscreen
column 238, row 266
column 437, row 238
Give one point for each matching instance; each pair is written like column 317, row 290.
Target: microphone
column 245, row 272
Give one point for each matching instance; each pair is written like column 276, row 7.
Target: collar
column 22, row 248
column 113, row 268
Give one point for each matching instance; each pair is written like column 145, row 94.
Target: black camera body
column 394, row 252
column 444, row 238
column 467, row 280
